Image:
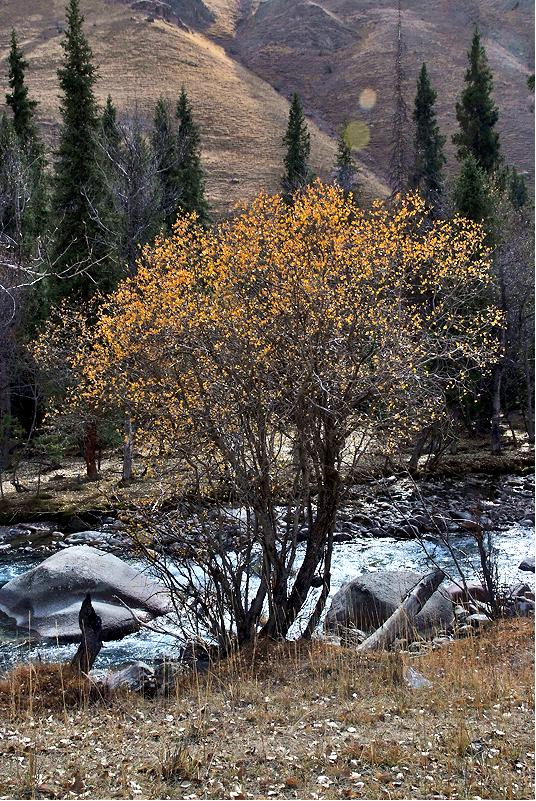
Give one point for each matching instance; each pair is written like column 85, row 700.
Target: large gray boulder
column 370, row 599
column 45, row 601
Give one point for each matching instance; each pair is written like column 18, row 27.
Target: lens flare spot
column 357, row 134
column 367, row 99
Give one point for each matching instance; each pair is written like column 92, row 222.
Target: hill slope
column 241, row 59
column 331, row 51
column 242, row 117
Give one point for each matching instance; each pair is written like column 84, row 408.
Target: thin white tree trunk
column 401, row 619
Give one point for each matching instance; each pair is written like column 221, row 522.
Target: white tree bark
column 402, row 618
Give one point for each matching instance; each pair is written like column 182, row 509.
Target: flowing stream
column 374, row 532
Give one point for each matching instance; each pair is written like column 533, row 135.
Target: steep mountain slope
column 241, row 59
column 242, row 118
column 333, row 51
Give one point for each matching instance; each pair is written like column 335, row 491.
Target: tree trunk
column 418, row 449
column 128, row 447
column 496, row 446
column 319, row 542
column 5, row 410
column 402, row 618
column 90, row 451
column 91, row 643
column 529, row 411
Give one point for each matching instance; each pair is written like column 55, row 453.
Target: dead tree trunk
column 91, row 643
column 496, row 446
column 90, row 451
column 402, row 618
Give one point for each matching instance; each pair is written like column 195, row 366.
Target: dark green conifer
column 346, row 168
column 471, row 191
column 477, row 113
column 32, row 179
column 428, row 142
column 9, row 169
column 190, row 173
column 518, row 190
column 17, row 99
column 80, row 253
column 298, row 144
column 108, row 125
column 166, row 153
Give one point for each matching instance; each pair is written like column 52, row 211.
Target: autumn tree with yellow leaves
column 269, row 356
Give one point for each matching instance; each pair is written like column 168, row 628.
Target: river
column 372, row 534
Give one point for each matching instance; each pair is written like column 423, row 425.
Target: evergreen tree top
column 425, row 98
column 344, row 152
column 187, row 126
column 109, row 115
column 22, row 107
column 428, row 141
column 476, row 112
column 298, row 143
column 77, row 76
column 109, row 128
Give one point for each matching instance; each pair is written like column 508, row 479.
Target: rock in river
column 527, row 564
column 45, row 601
column 368, row 600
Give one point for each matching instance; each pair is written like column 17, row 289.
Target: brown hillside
column 332, row 50
column 241, row 116
column 241, row 59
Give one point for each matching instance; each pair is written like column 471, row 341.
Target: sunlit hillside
column 242, row 118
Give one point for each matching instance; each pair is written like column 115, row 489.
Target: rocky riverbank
column 390, row 524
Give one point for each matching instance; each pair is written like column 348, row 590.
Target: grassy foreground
column 290, row 721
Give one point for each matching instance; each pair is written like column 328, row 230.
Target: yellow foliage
column 302, row 312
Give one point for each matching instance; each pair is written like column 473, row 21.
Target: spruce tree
column 109, row 167
column 517, row 189
column 477, row 113
column 471, row 194
column 190, row 174
column 108, row 125
column 79, row 250
column 298, row 143
column 166, row 153
column 22, row 107
column 9, row 182
column 429, row 156
column 346, row 168
column 32, row 163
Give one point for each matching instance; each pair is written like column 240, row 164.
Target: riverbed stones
column 370, row 599
column 138, row 677
column 45, row 601
column 527, row 564
column 472, row 591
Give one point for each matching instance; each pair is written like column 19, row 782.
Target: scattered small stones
column 479, row 620
column 137, row 677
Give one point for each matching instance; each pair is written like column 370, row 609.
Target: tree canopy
column 269, row 353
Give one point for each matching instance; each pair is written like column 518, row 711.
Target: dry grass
column 294, row 721
column 45, row 686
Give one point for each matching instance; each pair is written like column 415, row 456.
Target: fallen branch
column 402, row 618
